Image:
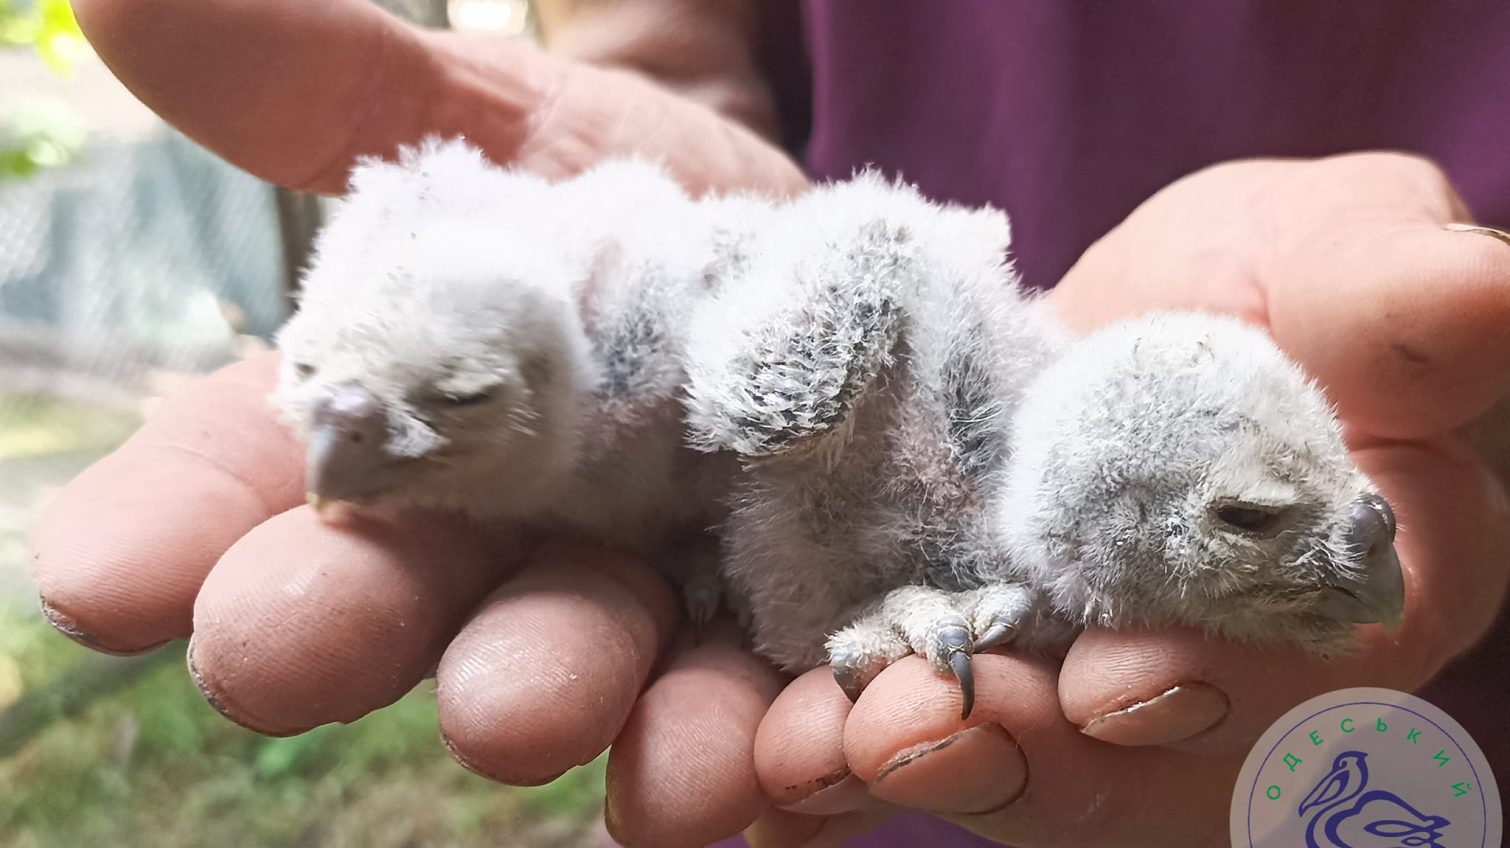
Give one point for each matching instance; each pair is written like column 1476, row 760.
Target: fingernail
column 67, row 626
column 1491, row 232
column 205, row 691
column 977, row 770
column 218, row 704
column 839, row 793
column 64, row 624
column 1179, row 713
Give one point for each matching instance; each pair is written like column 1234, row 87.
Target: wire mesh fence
column 152, row 254
column 146, row 254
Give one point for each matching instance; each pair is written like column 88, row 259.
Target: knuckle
column 1423, row 175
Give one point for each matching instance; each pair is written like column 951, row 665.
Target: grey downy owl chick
column 1180, row 469
column 866, row 368
column 932, row 468
column 473, row 338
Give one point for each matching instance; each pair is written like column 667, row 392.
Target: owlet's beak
column 1377, row 594
column 346, row 458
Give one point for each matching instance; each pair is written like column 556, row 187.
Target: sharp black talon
column 848, row 677
column 997, row 633
column 955, row 639
column 960, row 663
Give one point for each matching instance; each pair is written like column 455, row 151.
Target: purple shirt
column 1070, row 113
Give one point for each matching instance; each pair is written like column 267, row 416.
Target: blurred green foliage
column 151, row 764
column 33, row 424
column 47, row 26
column 39, row 134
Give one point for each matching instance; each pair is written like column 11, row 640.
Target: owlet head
column 427, row 362
column 1179, row 469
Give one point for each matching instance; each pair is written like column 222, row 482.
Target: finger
column 543, row 676
column 1138, row 688
column 800, row 761
column 346, row 78
column 798, row 752
column 558, row 118
column 1018, row 771
column 682, row 771
column 120, row 554
column 303, row 623
column 353, row 80
column 1406, row 321
column 922, row 761
column 784, row 829
column 701, row 51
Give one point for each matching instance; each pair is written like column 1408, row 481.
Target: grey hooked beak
column 1377, row 595
column 346, row 459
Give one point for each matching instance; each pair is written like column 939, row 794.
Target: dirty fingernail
column 840, row 794
column 66, row 625
column 977, row 770
column 1176, row 714
column 1491, row 232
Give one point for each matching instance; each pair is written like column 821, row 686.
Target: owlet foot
column 946, row 628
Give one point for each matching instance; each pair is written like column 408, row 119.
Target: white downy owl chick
column 931, row 468
column 472, row 337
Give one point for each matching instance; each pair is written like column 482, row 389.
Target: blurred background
column 132, row 259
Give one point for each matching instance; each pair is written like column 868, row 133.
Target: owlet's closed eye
column 1250, row 519
column 465, row 398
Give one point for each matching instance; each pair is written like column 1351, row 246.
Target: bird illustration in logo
column 1344, row 815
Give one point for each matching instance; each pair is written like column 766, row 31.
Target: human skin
column 544, row 657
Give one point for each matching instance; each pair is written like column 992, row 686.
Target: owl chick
column 932, row 468
column 866, row 367
column 1180, row 469
column 901, row 452
column 474, row 338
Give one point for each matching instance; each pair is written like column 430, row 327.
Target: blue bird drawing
column 1344, row 813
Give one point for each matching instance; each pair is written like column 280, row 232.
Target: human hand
column 296, row 92
column 1138, row 738
column 196, row 525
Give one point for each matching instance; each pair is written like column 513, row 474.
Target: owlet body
column 898, row 451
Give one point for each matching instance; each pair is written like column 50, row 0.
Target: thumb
column 1412, row 335
column 1402, row 314
column 295, row 92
